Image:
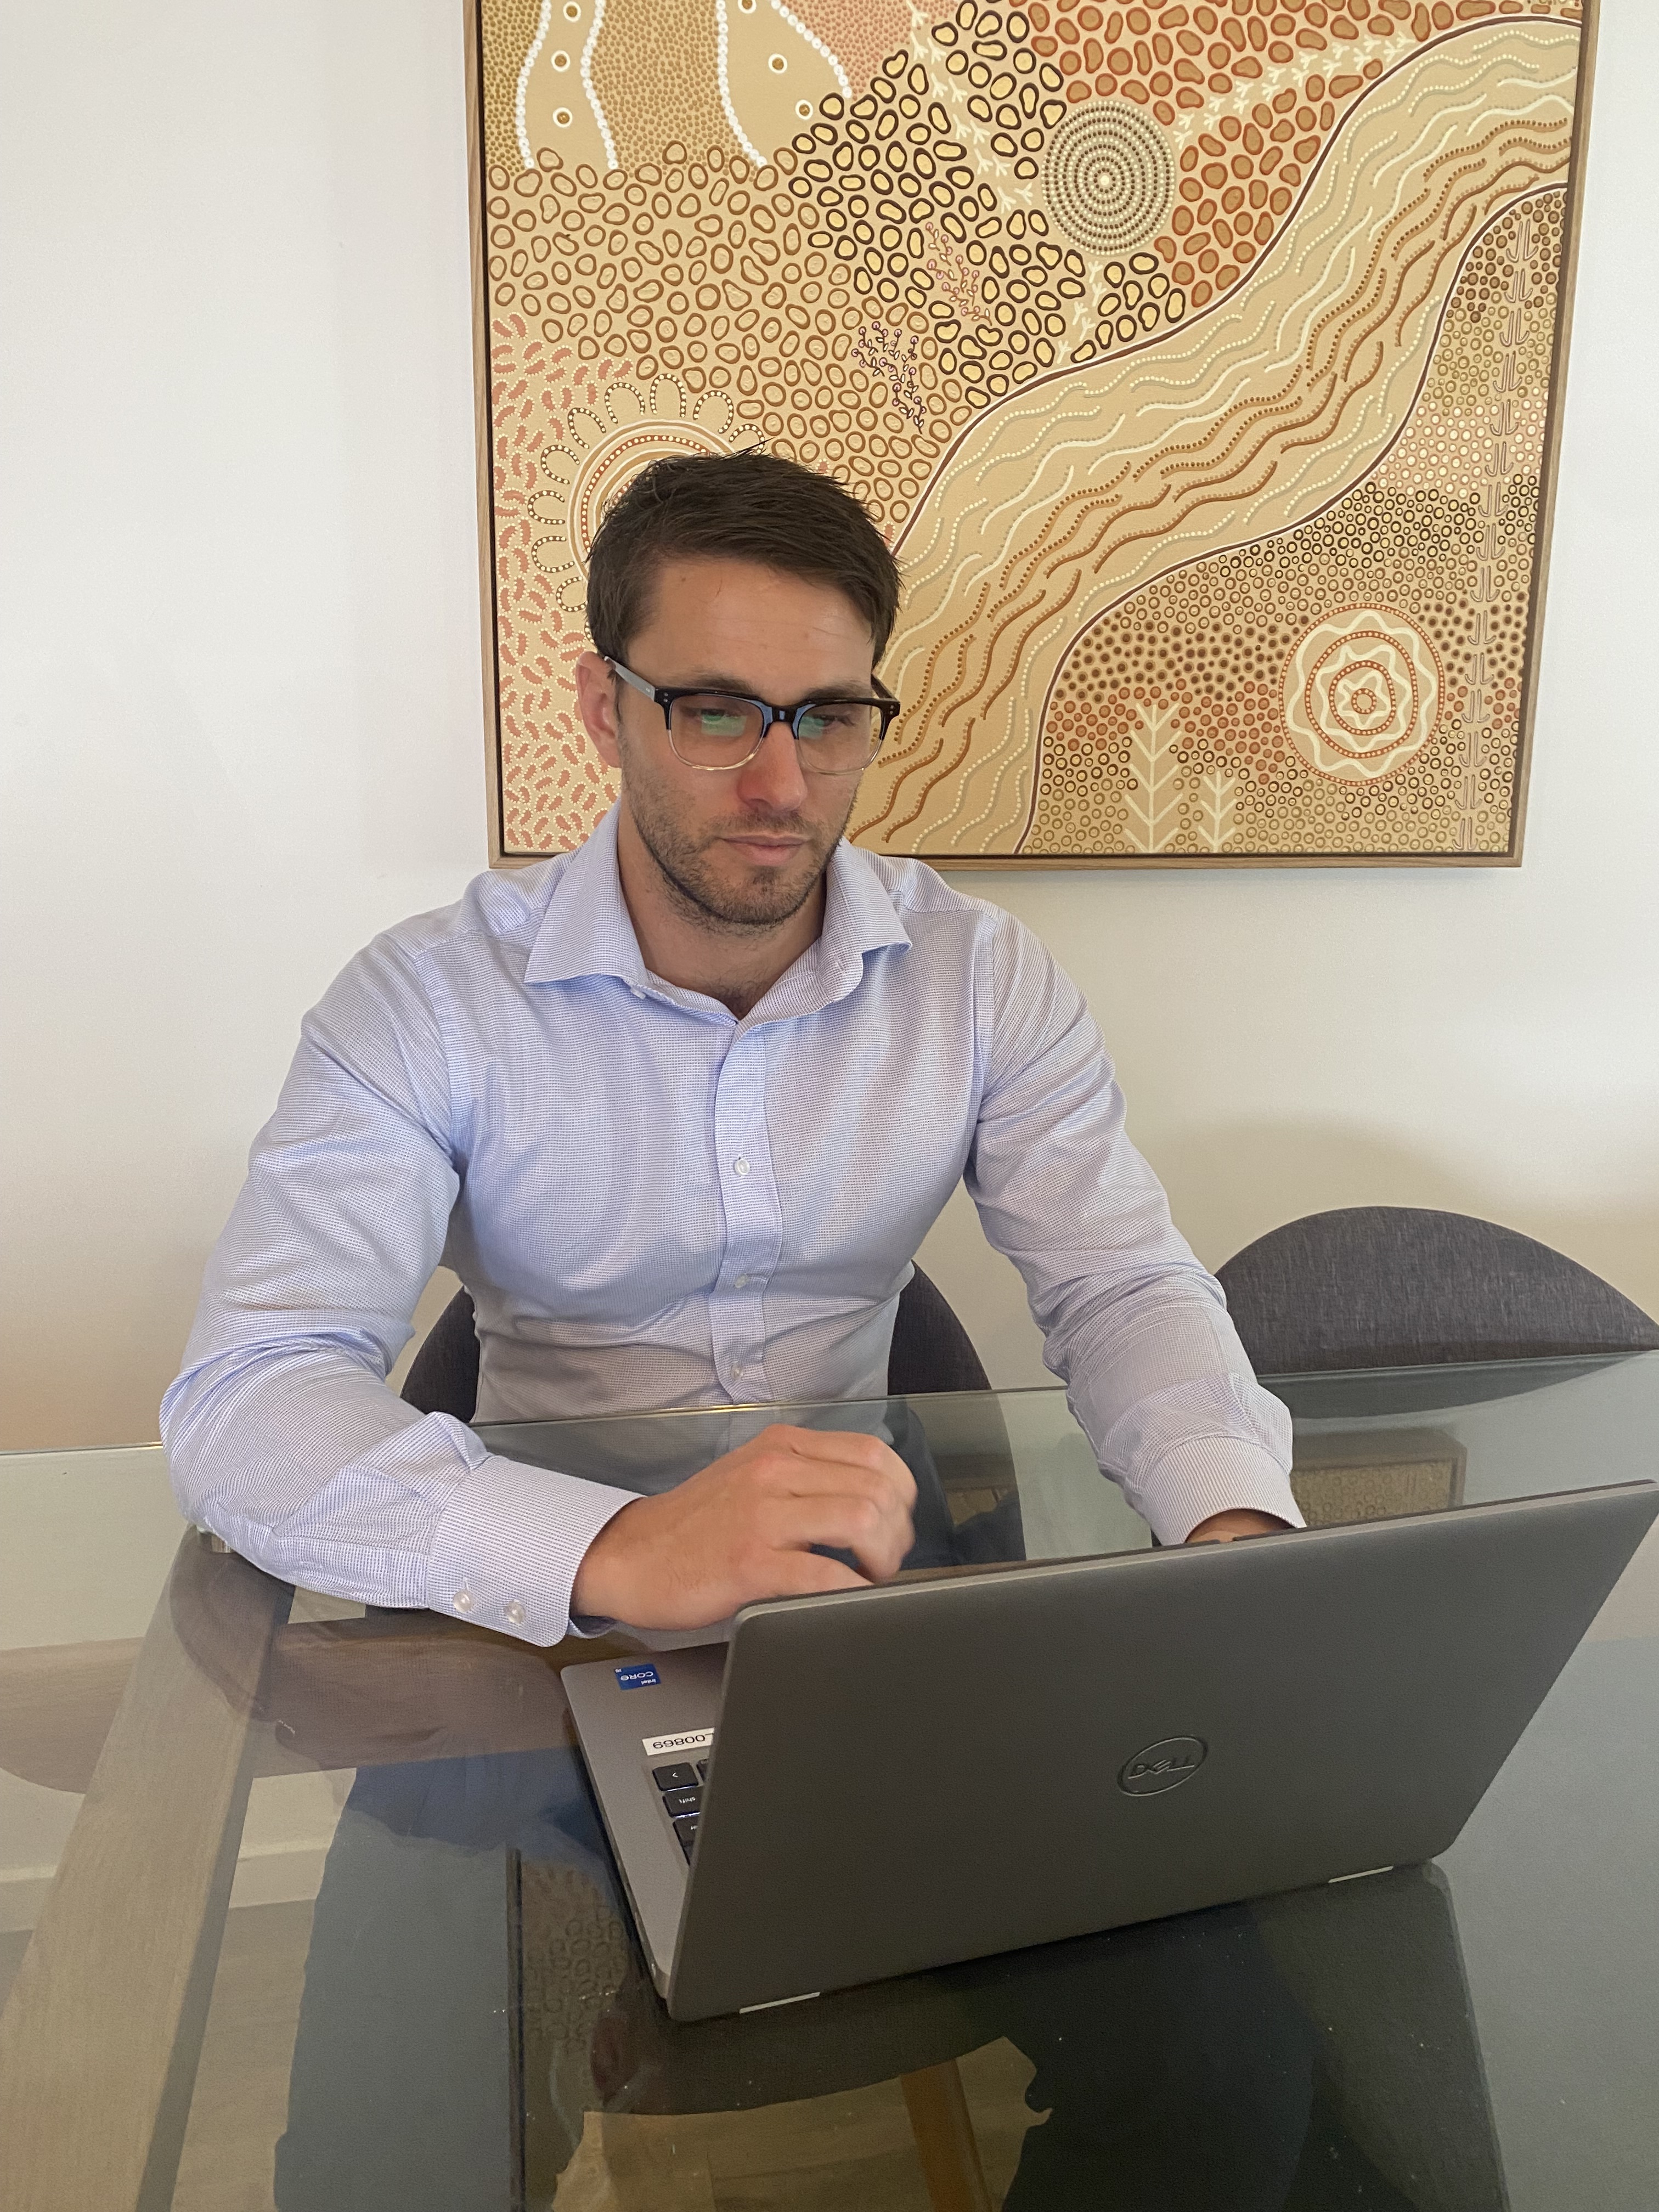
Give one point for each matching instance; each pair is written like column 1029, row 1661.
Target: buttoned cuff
column 1203, row 1475
column 506, row 1550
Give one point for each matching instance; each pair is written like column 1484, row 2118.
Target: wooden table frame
column 101, row 2038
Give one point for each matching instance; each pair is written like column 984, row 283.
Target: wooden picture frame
column 1324, row 653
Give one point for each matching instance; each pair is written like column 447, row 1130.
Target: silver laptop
column 876, row 1781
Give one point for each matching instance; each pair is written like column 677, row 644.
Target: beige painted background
column 243, row 731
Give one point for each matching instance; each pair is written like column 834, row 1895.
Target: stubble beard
column 696, row 887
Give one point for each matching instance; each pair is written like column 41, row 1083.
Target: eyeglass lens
column 833, row 736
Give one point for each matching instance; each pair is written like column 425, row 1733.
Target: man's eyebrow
column 738, row 687
column 714, row 680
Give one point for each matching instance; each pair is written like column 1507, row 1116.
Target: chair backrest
column 443, row 1375
column 930, row 1350
column 1406, row 1286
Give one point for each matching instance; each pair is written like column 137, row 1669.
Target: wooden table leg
column 99, row 2038
column 945, row 2139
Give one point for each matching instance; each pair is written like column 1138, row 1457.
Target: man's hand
column 1222, row 1527
column 742, row 1529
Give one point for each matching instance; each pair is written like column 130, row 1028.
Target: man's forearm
column 1185, row 1448
column 303, row 1461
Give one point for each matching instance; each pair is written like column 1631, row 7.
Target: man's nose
column 774, row 775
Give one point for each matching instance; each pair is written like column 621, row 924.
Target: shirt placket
column 754, row 1220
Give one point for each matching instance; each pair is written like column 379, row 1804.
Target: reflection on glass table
column 320, row 1901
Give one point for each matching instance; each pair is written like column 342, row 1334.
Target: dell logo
column 1161, row 1765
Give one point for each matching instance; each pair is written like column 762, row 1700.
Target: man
column 678, row 1108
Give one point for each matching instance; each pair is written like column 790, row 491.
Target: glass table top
column 306, row 1906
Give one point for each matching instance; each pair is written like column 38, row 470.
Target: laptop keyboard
column 682, row 1797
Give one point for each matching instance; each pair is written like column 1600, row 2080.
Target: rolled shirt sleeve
column 1132, row 1323
column 281, row 1434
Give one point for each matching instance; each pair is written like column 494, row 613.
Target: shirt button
column 740, row 1165
column 514, row 1613
column 736, row 1370
column 739, row 1282
column 463, row 1601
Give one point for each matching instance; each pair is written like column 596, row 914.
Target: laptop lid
column 939, row 1769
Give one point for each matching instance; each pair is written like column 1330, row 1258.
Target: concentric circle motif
column 604, row 447
column 1110, row 176
column 1362, row 693
column 608, row 470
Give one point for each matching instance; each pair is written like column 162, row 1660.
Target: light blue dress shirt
column 655, row 1203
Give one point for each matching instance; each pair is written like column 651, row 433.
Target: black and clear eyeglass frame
column 664, row 696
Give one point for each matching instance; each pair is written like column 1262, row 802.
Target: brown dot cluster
column 1206, row 649
column 1448, row 441
column 1168, row 58
column 1240, row 175
column 554, row 786
column 658, row 47
column 506, row 29
column 923, row 228
column 860, row 33
column 1461, row 376
column 1109, row 176
column 707, row 270
column 1038, row 287
column 1239, row 180
column 1183, row 687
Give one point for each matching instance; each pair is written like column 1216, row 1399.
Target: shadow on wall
column 1231, row 1184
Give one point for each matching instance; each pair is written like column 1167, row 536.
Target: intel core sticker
column 643, row 1677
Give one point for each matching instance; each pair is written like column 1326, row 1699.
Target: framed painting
column 1201, row 364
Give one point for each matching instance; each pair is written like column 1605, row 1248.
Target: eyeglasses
column 717, row 730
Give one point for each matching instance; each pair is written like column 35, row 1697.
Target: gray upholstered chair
column 1406, row 1286
column 930, row 1350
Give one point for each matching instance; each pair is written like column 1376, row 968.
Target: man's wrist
column 596, row 1590
column 1201, row 1477
column 1237, row 1521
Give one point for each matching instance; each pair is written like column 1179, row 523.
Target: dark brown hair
column 745, row 507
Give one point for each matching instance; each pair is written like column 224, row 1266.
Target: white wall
column 241, row 681
column 242, row 723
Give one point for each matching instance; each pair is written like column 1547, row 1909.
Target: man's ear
column 596, row 702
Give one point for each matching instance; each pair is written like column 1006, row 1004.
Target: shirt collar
column 588, row 931
column 859, row 913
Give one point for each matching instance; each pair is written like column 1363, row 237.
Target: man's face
column 743, row 849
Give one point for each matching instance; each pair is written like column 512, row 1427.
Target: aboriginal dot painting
column 1197, row 361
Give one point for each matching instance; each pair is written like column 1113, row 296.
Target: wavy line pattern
column 1246, row 421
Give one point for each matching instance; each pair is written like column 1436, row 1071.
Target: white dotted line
column 817, row 46
column 588, row 86
column 742, row 137
column 530, row 59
